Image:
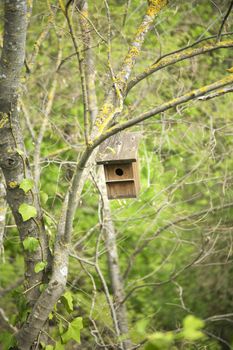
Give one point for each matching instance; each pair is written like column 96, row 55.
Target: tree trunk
column 3, row 208
column 113, row 264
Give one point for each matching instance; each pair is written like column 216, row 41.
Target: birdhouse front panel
column 124, row 189
column 118, row 155
column 121, row 171
column 121, row 180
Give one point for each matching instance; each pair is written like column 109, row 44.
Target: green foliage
column 26, row 185
column 192, row 328
column 7, row 340
column 22, row 307
column 67, row 300
column 167, row 340
column 185, row 167
column 43, row 197
column 73, row 331
column 160, row 341
column 31, row 244
column 27, row 211
column 40, row 266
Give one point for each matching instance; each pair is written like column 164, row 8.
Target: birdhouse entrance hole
column 119, row 171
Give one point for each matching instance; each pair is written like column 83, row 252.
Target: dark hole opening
column 10, row 161
column 119, row 171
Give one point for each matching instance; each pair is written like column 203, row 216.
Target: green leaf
column 26, row 185
column 27, row 211
column 43, row 197
column 40, row 266
column 49, row 347
column 7, row 340
column 67, row 300
column 192, row 328
column 160, row 341
column 30, row 244
column 60, row 327
column 59, row 346
column 73, row 331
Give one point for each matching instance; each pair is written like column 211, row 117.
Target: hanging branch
column 224, row 21
column 81, row 70
column 88, row 61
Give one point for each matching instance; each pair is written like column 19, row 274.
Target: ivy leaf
column 26, row 185
column 30, row 244
column 49, row 347
column 43, row 197
column 192, row 328
column 73, row 331
column 160, row 340
column 27, row 211
column 67, row 300
column 59, row 346
column 40, row 266
column 60, row 327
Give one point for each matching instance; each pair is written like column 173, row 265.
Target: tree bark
column 3, row 208
column 13, row 159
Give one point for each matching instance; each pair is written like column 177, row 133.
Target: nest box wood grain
column 119, row 156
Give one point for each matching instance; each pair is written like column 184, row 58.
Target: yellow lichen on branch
column 3, row 119
column 104, row 116
column 155, row 6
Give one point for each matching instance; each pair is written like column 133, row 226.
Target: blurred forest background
column 175, row 241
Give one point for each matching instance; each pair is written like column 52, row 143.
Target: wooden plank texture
column 118, row 171
column 121, row 147
column 121, row 190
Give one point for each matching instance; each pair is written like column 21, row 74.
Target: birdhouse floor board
column 119, row 181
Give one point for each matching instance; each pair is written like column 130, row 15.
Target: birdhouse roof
column 119, row 148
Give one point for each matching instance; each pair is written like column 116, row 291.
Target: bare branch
column 170, row 279
column 217, row 93
column 177, row 57
column 194, row 94
column 140, row 248
column 82, row 73
column 89, row 67
column 224, row 21
column 5, row 324
column 114, row 102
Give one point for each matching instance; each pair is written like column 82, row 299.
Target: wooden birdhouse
column 118, row 154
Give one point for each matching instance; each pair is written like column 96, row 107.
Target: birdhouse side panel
column 136, row 176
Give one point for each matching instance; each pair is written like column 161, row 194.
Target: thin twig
column 224, row 21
